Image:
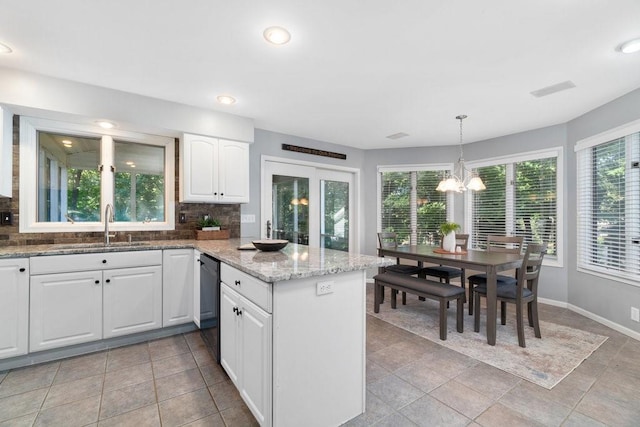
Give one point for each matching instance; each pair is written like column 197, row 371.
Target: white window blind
column 609, row 207
column 410, row 206
column 535, row 204
column 521, row 199
column 489, row 212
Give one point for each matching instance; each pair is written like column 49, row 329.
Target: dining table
column 471, row 259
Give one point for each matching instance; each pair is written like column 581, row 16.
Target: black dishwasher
column 210, row 303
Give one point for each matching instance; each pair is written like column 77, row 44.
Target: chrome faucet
column 108, row 217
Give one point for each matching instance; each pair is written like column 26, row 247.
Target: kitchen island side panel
column 319, row 350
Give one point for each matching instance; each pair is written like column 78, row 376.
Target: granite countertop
column 293, row 262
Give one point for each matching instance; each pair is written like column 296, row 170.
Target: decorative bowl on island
column 269, row 245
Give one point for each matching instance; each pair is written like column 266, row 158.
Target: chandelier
column 462, row 178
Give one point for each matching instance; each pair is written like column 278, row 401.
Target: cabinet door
column 229, row 332
column 14, row 307
column 233, row 174
column 199, row 179
column 177, row 286
column 132, row 300
column 66, row 309
column 256, row 366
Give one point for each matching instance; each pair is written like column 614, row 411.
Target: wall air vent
column 397, row 135
column 558, row 87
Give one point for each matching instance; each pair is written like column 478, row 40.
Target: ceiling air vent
column 398, row 135
column 558, row 87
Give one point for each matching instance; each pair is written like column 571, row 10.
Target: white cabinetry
column 6, row 152
column 14, row 307
column 213, row 170
column 66, row 309
column 296, row 357
column 86, row 297
column 178, row 286
column 131, row 300
column 246, row 341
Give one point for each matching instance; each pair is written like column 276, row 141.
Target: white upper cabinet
column 6, row 152
column 213, row 170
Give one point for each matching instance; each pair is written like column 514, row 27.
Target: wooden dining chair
column 444, row 273
column 524, row 291
column 388, row 239
column 503, row 244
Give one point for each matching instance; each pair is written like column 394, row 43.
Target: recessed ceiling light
column 631, row 46
column 226, row 99
column 105, row 124
column 67, row 143
column 5, row 49
column 276, row 35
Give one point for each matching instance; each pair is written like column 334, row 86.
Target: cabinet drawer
column 253, row 289
column 95, row 261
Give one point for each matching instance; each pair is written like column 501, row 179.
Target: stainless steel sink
column 102, row 245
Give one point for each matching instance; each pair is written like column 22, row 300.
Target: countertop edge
column 274, row 267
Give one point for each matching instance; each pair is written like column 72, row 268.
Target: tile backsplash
column 228, row 215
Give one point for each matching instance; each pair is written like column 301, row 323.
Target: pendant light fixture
column 462, row 178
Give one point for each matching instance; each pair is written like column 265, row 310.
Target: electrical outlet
column 249, row 218
column 635, row 314
column 323, row 288
column 183, row 218
column 6, row 218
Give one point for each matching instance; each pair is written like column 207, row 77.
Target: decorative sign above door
column 305, row 150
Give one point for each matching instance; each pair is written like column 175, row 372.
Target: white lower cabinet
column 66, row 309
column 246, row 351
column 178, row 286
column 131, row 300
column 14, row 307
column 71, row 307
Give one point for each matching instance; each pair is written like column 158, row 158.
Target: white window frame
column 29, row 127
column 447, row 167
column 584, row 144
column 557, row 152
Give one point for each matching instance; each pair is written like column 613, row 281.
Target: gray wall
column 608, row 299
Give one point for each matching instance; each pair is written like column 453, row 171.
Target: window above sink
column 70, row 172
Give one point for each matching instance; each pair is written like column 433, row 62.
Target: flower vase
column 449, row 242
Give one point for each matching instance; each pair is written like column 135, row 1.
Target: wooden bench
column 431, row 289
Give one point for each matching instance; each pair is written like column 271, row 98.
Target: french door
column 309, row 205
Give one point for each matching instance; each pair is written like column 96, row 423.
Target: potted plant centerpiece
column 210, row 229
column 448, row 231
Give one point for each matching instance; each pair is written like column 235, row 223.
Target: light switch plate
column 249, row 218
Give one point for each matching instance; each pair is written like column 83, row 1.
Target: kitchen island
column 292, row 322
column 297, row 355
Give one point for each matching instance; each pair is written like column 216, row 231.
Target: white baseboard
column 553, row 302
column 623, row 330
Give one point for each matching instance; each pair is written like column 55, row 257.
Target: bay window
column 608, row 193
column 409, row 204
column 70, row 172
column 523, row 198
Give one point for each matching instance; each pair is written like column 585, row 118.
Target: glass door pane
column 290, row 204
column 334, row 214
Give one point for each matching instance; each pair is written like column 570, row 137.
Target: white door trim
column 354, row 246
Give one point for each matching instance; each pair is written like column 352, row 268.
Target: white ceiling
column 354, row 72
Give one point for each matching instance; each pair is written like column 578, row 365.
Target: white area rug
column 544, row 361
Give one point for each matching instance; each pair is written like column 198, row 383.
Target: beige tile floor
column 410, row 381
column 171, row 382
